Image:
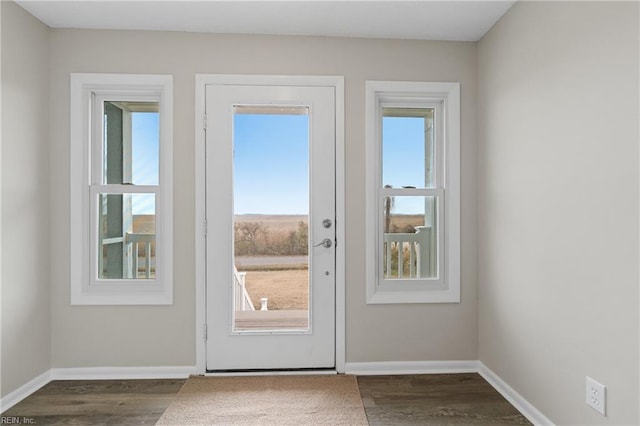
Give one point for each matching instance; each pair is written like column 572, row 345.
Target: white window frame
column 87, row 90
column 445, row 99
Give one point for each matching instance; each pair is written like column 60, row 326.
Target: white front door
column 270, row 211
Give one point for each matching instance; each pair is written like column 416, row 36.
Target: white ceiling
column 423, row 20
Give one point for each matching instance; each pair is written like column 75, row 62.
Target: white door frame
column 336, row 82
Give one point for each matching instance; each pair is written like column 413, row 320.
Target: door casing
column 202, row 80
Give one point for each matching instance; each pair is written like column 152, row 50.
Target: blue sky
column 403, row 158
column 403, row 151
column 145, row 135
column 271, row 157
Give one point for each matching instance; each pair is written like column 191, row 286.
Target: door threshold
column 282, row 372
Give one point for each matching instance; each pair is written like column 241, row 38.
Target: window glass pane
column 126, row 236
column 407, row 148
column 271, row 218
column 131, row 143
column 409, row 240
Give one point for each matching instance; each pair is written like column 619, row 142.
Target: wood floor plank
column 439, row 399
column 98, row 402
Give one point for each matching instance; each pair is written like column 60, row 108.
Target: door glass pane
column 408, row 148
column 131, row 143
column 409, row 243
column 271, row 218
column 126, row 236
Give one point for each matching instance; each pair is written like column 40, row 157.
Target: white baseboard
column 94, row 373
column 529, row 411
column 122, row 373
column 411, row 367
column 24, row 391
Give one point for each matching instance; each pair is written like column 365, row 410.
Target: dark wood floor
column 440, row 399
column 97, row 402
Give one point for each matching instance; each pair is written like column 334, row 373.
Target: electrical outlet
column 596, row 396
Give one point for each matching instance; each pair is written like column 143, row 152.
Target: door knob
column 326, row 243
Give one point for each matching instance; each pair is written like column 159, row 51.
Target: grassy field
column 274, row 222
column 289, row 223
column 286, row 285
column 286, row 290
column 405, row 222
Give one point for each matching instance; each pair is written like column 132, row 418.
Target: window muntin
column 121, row 189
column 413, row 192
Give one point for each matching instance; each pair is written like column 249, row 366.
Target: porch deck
column 272, row 320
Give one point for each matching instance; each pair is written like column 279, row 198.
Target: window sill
column 381, row 297
column 131, row 297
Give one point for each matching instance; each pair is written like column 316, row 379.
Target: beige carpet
column 267, row 400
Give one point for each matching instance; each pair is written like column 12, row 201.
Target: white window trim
column 446, row 289
column 84, row 289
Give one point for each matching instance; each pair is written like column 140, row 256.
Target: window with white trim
column 121, row 189
column 413, row 192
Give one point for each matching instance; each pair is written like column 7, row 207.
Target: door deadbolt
column 326, row 223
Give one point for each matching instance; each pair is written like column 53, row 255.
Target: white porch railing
column 242, row 300
column 417, row 245
column 145, row 240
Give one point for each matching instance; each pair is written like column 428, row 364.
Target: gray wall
column 558, row 205
column 26, row 313
column 554, row 200
column 162, row 336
